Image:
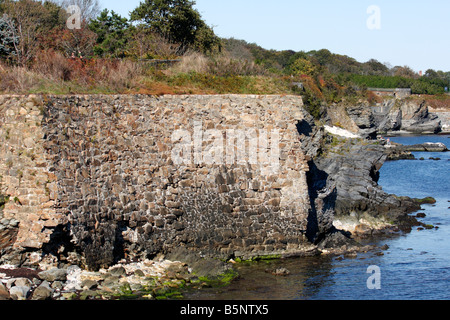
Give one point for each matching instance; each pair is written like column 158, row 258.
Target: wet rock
column 363, row 229
column 201, row 266
column 20, row 282
column 397, row 153
column 126, row 278
column 139, row 273
column 43, row 292
column 89, row 294
column 53, row 275
column 421, row 215
column 4, row 293
column 281, row 272
column 337, row 239
column 19, row 292
column 424, row 147
column 89, row 284
column 117, row 271
column 351, row 255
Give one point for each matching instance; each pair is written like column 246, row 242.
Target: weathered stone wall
column 100, row 171
column 26, row 180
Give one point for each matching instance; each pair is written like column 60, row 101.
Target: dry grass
column 16, row 79
column 191, row 62
column 221, row 66
column 437, row 102
column 440, row 103
column 52, row 72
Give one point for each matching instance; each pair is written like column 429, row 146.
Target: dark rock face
column 363, row 117
column 423, row 121
column 389, row 118
column 398, row 153
column 405, row 115
column 355, row 172
column 322, row 190
column 343, row 185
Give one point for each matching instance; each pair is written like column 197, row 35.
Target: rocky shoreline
column 148, row 279
column 160, row 278
column 396, row 151
column 163, row 278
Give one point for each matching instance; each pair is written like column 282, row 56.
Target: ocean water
column 416, row 266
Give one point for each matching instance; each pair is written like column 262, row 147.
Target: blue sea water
column 416, row 266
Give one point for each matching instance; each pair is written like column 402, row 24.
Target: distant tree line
column 344, row 70
column 422, row 85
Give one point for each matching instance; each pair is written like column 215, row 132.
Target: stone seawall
column 100, row 176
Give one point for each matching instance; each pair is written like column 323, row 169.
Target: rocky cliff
column 410, row 115
column 362, row 206
column 351, row 157
column 413, row 115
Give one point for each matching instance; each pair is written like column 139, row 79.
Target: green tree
column 303, row 66
column 322, row 56
column 405, row 72
column 431, row 74
column 179, row 22
column 375, row 67
column 112, row 31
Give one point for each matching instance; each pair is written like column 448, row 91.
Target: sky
column 399, row 32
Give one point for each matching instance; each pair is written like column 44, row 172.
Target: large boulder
column 54, row 274
column 43, row 291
